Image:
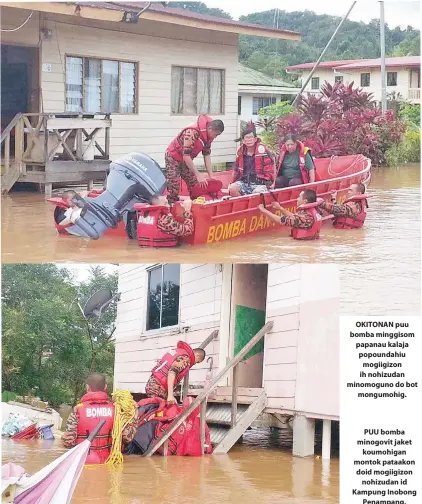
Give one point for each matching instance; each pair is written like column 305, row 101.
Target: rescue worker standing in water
column 181, row 152
column 352, row 213
column 171, row 369
column 93, row 407
column 305, row 223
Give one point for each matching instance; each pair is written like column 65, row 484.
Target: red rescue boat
column 218, row 221
column 227, row 219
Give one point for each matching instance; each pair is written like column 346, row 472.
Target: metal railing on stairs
column 201, row 399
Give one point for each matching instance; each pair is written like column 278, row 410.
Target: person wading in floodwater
column 171, row 369
column 305, row 223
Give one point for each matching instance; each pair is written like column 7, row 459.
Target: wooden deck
column 55, row 149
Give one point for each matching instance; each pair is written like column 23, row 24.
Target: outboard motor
column 135, row 178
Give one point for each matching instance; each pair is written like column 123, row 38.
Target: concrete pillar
column 326, row 439
column 303, row 436
column 48, row 189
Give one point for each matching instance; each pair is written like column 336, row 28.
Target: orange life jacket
column 94, row 407
column 302, row 166
column 161, row 370
column 264, row 163
column 311, row 233
column 175, row 149
column 348, row 222
column 149, row 235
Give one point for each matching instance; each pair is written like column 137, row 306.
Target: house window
column 338, row 78
column 239, row 105
column 391, row 78
column 100, row 86
column 365, row 79
column 197, row 91
column 163, row 296
column 260, row 102
column 315, row 83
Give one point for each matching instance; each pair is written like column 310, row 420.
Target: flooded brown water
column 258, row 470
column 381, row 261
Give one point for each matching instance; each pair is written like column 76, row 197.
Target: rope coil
column 124, row 413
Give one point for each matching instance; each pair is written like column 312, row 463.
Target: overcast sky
column 81, row 271
column 402, row 13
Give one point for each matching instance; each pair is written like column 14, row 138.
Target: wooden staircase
column 226, row 426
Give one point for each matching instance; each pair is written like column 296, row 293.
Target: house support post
column 303, row 436
column 326, row 439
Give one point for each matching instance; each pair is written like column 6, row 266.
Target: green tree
column 48, row 347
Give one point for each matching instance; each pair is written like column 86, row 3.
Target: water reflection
column 249, row 474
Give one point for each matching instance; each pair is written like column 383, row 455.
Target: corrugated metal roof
column 250, row 77
column 397, row 61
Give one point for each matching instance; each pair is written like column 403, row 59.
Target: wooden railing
column 40, row 139
column 201, row 399
column 414, row 94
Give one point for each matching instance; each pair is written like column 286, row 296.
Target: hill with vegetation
column 355, row 40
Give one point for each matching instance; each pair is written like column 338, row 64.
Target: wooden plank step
column 10, row 178
column 220, row 414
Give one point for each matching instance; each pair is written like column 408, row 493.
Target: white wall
column 138, row 350
column 403, row 80
column 155, row 47
column 301, row 353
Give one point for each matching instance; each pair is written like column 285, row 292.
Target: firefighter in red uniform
column 306, row 222
column 352, row 213
column 171, row 370
column 254, row 169
column 181, row 152
column 93, row 407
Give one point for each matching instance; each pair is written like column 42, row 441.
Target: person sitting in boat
column 171, row 369
column 93, row 407
column 352, row 213
column 254, row 167
column 183, row 150
column 305, row 223
column 295, row 164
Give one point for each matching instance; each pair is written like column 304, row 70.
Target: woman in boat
column 295, row 164
column 254, row 167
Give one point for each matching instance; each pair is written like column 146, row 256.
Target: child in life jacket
column 93, row 407
column 305, row 223
column 352, row 213
column 68, row 215
column 171, row 370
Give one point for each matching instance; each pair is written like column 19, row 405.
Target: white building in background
column 403, row 75
column 258, row 90
column 295, row 365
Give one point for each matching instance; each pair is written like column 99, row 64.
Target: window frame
column 167, row 329
column 369, row 79
column 312, row 84
column 100, row 59
column 397, row 79
column 338, row 78
column 223, row 90
column 263, row 97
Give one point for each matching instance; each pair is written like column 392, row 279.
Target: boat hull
column 236, row 217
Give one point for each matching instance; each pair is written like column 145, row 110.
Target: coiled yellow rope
column 124, row 413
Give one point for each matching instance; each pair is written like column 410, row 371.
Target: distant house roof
column 399, row 61
column 250, row 77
